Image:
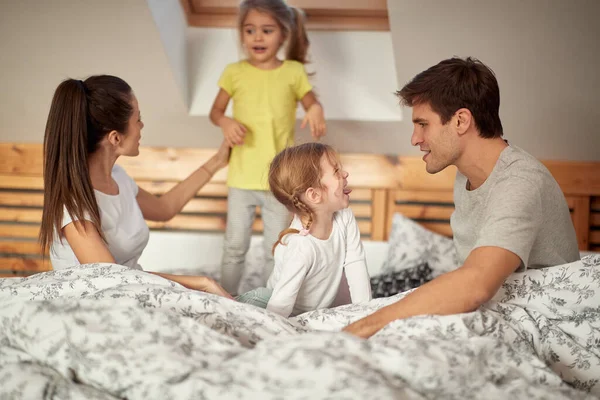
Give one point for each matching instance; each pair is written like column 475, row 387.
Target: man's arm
column 459, row 291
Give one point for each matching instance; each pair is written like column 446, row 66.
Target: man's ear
column 114, row 138
column 464, row 120
column 313, row 196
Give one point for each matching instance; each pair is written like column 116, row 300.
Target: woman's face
column 129, row 146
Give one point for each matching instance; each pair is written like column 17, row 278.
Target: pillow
column 392, row 283
column 411, row 245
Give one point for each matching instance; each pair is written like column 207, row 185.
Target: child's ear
column 312, row 195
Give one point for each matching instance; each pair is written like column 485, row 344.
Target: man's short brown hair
column 458, row 83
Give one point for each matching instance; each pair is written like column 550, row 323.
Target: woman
column 93, row 211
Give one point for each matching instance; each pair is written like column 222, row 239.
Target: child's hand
column 233, row 131
column 316, row 120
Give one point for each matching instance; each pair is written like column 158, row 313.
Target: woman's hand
column 315, row 118
column 209, row 285
column 221, row 159
column 194, row 282
column 233, row 131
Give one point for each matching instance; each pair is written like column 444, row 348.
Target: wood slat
column 379, row 214
column 581, row 220
column 13, row 274
column 438, row 227
column 595, row 220
column 595, row 204
column 212, row 189
column 24, row 264
column 360, row 194
column 19, row 231
column 206, row 206
column 320, row 15
column 19, row 247
column 20, row 182
column 21, row 199
column 20, row 215
column 595, row 237
column 364, row 210
column 424, row 196
column 576, row 177
column 424, row 212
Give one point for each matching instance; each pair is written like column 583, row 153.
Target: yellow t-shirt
column 265, row 102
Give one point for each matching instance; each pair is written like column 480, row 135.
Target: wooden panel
column 360, row 195
column 581, row 221
column 20, row 215
column 320, row 14
column 424, row 197
column 20, row 181
column 21, row 199
column 576, row 178
column 14, row 247
column 362, row 210
column 595, row 237
column 595, row 219
column 333, row 5
column 424, row 211
column 380, row 199
column 211, row 189
column 14, row 274
column 438, row 227
column 19, row 231
column 200, row 205
column 24, row 264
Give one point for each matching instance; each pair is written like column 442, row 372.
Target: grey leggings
column 241, row 209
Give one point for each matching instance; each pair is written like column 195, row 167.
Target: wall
column 45, row 42
column 541, row 51
column 544, row 53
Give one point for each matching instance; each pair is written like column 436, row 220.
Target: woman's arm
column 86, row 243
column 165, row 207
column 88, row 247
column 201, row 283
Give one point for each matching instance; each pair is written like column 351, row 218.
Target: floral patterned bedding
column 103, row 331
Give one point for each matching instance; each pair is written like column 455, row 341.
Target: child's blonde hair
column 292, row 172
column 290, row 20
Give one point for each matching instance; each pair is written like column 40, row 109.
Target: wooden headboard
column 382, row 186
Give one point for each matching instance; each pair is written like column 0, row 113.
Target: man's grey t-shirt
column 520, row 208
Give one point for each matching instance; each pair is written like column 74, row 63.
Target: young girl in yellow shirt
column 265, row 92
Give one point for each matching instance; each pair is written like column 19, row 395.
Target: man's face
column 438, row 141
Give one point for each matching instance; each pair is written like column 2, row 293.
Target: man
column 509, row 213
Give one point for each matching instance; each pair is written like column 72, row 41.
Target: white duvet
column 103, row 331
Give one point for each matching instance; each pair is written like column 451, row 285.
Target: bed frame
column 382, row 186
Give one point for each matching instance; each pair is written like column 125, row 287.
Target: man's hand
column 456, row 292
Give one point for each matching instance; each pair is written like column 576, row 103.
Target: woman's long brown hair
column 81, row 114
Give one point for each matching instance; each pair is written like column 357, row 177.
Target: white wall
column 172, row 27
column 45, row 42
column 544, row 53
column 355, row 72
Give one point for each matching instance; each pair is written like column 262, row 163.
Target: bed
column 102, row 331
